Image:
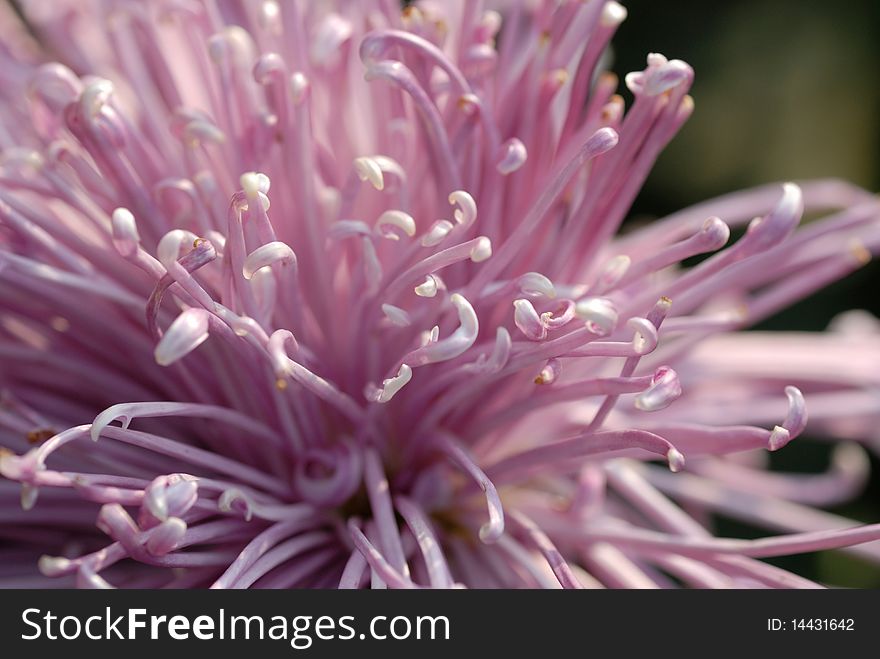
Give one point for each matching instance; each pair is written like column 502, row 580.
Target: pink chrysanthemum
column 432, row 360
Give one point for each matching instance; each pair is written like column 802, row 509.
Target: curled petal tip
column 534, row 284
column 397, row 219
column 500, row 352
column 768, row 231
column 428, row 288
column 267, row 255
column 796, row 419
column 466, row 211
column 456, row 343
column 665, row 389
column 528, row 321
column 234, row 500
column 368, row 169
column 599, row 314
column 169, row 496
column 188, row 331
column 667, row 76
column 169, row 247
column 511, row 156
column 107, row 417
column 779, row 437
column 391, row 386
column 645, row 337
column 660, row 76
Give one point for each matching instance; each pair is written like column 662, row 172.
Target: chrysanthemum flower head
column 301, row 294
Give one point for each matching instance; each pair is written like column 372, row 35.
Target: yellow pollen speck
column 608, row 79
column 544, row 39
column 860, row 252
column 281, row 384
column 40, row 435
column 665, row 300
column 197, row 242
column 559, row 76
column 539, row 379
column 613, row 108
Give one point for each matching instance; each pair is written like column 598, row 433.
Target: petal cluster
column 331, row 294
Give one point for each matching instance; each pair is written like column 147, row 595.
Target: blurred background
column 784, row 89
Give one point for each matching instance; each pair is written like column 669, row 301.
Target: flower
column 328, row 294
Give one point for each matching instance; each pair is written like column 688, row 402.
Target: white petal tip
column 490, row 534
column 188, row 331
column 428, row 288
column 398, row 219
column 482, row 249
column 396, row 315
column 675, row 460
column 535, row 284
column 599, row 314
column 779, row 437
column 613, row 14
column 391, row 386
column 367, row 169
column 466, row 212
